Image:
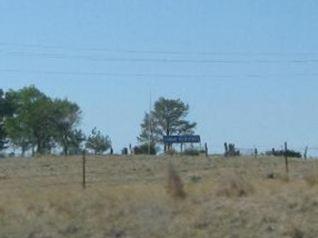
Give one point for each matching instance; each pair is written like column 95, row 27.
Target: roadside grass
column 139, row 197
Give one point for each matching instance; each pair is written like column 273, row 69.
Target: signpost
column 169, row 140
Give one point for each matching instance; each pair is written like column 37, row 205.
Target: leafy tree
column 149, row 131
column 75, row 144
column 5, row 111
column 32, row 124
column 19, row 134
column 40, row 123
column 66, row 119
column 167, row 118
column 98, row 142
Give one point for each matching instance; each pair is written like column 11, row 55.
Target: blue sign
column 181, row 139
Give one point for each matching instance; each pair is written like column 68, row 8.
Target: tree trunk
column 23, row 149
column 65, row 149
column 33, row 150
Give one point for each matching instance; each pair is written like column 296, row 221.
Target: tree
column 41, row 123
column 32, row 124
column 149, row 131
column 167, row 118
column 98, row 142
column 75, row 144
column 19, row 134
column 5, row 111
column 66, row 119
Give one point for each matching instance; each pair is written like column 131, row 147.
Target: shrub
column 279, row 153
column 124, row 151
column 191, row 152
column 144, row 149
column 230, row 150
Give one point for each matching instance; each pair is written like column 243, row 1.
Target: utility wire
column 56, row 56
column 158, row 52
column 151, row 75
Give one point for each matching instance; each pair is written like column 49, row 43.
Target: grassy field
column 158, row 197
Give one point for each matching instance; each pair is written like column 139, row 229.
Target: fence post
column 286, row 158
column 305, row 154
column 84, row 169
column 206, row 149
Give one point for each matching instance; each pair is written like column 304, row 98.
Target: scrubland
column 158, row 197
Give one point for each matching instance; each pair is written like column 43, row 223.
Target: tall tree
column 149, row 130
column 98, row 142
column 76, row 142
column 167, row 118
column 32, row 124
column 66, row 119
column 6, row 110
column 41, row 123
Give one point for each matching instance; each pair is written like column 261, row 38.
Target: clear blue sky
column 247, row 68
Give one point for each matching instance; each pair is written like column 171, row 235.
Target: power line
column 158, row 52
column 157, row 60
column 140, row 75
column 149, row 75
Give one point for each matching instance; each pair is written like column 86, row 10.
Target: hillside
column 139, row 197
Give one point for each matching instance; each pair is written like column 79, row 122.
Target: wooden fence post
column 286, row 158
column 305, row 154
column 84, row 169
column 206, row 149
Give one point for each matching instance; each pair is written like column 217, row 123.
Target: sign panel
column 181, row 139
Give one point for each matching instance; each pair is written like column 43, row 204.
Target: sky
column 248, row 69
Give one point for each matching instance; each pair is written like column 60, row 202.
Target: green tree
column 149, row 131
column 167, row 118
column 97, row 142
column 41, row 123
column 6, row 111
column 32, row 124
column 66, row 119
column 75, row 144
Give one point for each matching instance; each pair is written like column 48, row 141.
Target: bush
column 124, row 151
column 192, row 152
column 144, row 149
column 280, row 153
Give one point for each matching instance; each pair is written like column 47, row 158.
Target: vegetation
column 191, row 152
column 167, row 118
column 41, row 123
column 98, row 143
column 230, row 150
column 2, row 116
column 31, row 120
column 139, row 196
column 280, row 153
column 145, row 149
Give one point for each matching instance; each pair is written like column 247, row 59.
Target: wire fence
column 77, row 172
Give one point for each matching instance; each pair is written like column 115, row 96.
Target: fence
column 80, row 172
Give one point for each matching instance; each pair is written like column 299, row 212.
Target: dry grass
column 175, row 184
column 127, row 197
column 233, row 184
